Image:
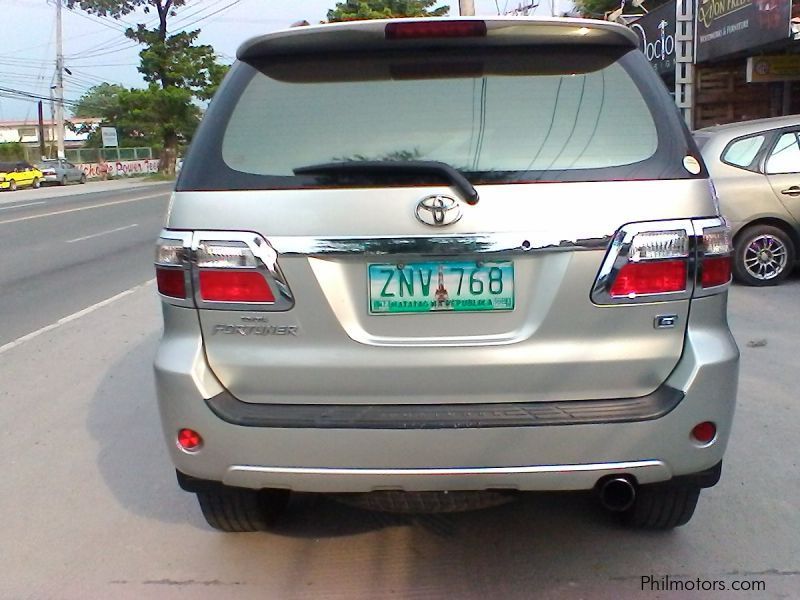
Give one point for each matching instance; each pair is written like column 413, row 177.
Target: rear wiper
column 454, row 176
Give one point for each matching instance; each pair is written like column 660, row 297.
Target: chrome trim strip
column 323, row 471
column 440, row 245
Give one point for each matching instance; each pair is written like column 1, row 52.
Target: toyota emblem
column 438, row 210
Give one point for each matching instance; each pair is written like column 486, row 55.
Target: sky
column 97, row 51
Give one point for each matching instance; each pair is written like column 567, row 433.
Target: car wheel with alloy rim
column 36, row 184
column 764, row 256
column 12, row 186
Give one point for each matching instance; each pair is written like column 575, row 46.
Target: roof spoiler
column 362, row 36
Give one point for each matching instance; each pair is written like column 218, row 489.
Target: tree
column 97, row 100
column 142, row 117
column 177, row 69
column 353, row 10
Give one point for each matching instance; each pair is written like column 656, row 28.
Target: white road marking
column 94, row 235
column 72, row 317
column 20, row 205
column 71, row 210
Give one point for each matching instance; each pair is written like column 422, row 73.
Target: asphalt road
column 90, row 508
column 63, row 249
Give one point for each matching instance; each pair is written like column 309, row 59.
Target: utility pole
column 41, row 130
column 466, row 8
column 59, row 89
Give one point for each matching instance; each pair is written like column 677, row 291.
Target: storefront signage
column 656, row 31
column 725, row 27
column 784, row 67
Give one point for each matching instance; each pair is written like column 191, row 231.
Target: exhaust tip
column 617, row 494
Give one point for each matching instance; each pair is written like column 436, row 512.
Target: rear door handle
column 792, row 191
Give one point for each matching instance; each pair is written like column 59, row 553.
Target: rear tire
column 763, row 255
column 662, row 506
column 241, row 510
column 82, row 179
column 12, row 186
column 63, row 180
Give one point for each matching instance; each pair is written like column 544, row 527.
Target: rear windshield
column 504, row 117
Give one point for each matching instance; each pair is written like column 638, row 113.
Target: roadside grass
column 159, row 177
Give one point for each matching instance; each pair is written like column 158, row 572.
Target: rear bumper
column 567, row 455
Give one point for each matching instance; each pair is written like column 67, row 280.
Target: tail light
column 715, row 256
column 660, row 261
column 226, row 270
column 172, row 267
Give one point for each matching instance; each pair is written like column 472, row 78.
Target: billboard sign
column 724, row 27
column 656, row 32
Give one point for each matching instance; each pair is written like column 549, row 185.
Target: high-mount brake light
column 411, row 30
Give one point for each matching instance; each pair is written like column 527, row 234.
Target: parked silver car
column 755, row 166
column 429, row 264
column 61, row 171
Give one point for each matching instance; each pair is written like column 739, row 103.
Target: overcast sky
column 96, row 50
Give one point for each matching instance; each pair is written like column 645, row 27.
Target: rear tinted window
column 550, row 114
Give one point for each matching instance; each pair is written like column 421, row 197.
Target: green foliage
column 120, row 8
column 10, row 151
column 178, row 70
column 143, row 117
column 97, row 100
column 352, row 10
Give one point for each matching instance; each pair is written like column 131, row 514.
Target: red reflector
column 435, row 29
column 716, row 271
column 190, row 440
column 650, row 278
column 234, row 286
column 171, row 282
column 704, row 432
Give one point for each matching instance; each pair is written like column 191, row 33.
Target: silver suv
column 432, row 264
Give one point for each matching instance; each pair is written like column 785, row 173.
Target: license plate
column 454, row 286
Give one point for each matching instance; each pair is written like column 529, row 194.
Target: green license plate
column 455, row 286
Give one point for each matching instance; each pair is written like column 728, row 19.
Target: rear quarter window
column 742, row 152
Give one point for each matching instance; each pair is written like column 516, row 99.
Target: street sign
column 109, row 135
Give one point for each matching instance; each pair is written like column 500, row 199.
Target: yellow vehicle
column 19, row 174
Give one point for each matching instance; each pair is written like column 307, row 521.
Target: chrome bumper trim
column 519, row 470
